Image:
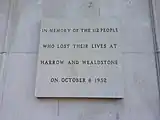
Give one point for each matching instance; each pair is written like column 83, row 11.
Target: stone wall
column 19, row 39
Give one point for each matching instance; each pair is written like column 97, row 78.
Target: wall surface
column 19, row 39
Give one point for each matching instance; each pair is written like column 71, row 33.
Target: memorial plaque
column 80, row 59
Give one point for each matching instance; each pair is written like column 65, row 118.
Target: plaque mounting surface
column 80, row 59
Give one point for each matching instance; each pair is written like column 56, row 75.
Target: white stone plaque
column 80, row 59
